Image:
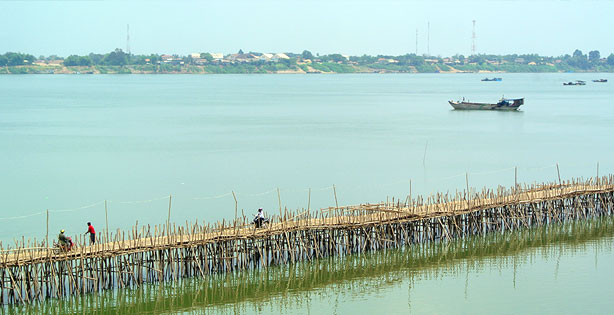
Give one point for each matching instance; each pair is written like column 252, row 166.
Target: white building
column 217, row 56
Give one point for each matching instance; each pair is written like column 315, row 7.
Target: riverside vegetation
column 119, row 62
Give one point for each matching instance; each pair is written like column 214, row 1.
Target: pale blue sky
column 333, row 26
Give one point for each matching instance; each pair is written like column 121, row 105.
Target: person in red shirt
column 90, row 229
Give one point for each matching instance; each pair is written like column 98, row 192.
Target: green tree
column 479, row 59
column 96, row 58
column 74, row 60
column 594, row 56
column 3, row 60
column 307, row 55
column 116, row 58
column 206, row 56
column 578, row 60
column 18, row 59
column 335, row 58
column 611, row 59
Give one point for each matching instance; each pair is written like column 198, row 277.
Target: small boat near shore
column 601, row 80
column 502, row 104
column 493, row 79
column 577, row 82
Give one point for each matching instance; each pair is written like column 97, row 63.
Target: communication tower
column 128, row 39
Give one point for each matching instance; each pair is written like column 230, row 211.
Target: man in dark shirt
column 64, row 242
column 90, row 229
column 62, row 238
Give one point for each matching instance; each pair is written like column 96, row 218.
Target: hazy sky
column 356, row 27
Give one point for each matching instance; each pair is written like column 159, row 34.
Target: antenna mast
column 473, row 39
column 128, row 39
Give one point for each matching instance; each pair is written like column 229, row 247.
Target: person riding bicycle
column 64, row 242
column 259, row 219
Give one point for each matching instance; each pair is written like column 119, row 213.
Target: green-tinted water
column 555, row 269
column 67, row 143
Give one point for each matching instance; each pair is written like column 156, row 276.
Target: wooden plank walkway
column 353, row 217
column 147, row 254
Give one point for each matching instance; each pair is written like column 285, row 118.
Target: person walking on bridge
column 90, row 229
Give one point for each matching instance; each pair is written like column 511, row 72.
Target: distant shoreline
column 237, row 69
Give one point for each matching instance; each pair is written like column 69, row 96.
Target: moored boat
column 601, row 80
column 578, row 82
column 503, row 104
column 493, row 79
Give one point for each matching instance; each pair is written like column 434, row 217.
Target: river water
column 559, row 269
column 70, row 142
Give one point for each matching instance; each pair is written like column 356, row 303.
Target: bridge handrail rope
column 77, row 209
column 140, row 201
column 213, row 197
column 429, row 204
column 23, row 216
column 261, row 193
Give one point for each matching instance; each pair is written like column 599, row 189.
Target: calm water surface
column 560, row 269
column 68, row 143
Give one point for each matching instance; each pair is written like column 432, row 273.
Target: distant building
column 56, row 63
column 387, row 60
column 217, row 56
column 241, row 57
column 281, row 56
column 195, row 55
column 266, row 57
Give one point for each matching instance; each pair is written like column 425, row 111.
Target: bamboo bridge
column 32, row 272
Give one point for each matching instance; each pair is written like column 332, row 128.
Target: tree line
column 577, row 60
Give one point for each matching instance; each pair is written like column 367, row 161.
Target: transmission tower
column 473, row 39
column 128, row 39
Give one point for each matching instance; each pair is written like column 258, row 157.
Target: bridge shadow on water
column 290, row 287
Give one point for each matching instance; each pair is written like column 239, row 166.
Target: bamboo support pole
column 171, row 252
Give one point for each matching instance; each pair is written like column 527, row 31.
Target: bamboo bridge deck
column 32, row 272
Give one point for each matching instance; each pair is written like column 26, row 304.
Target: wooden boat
column 601, row 80
column 578, row 82
column 503, row 104
column 493, row 79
